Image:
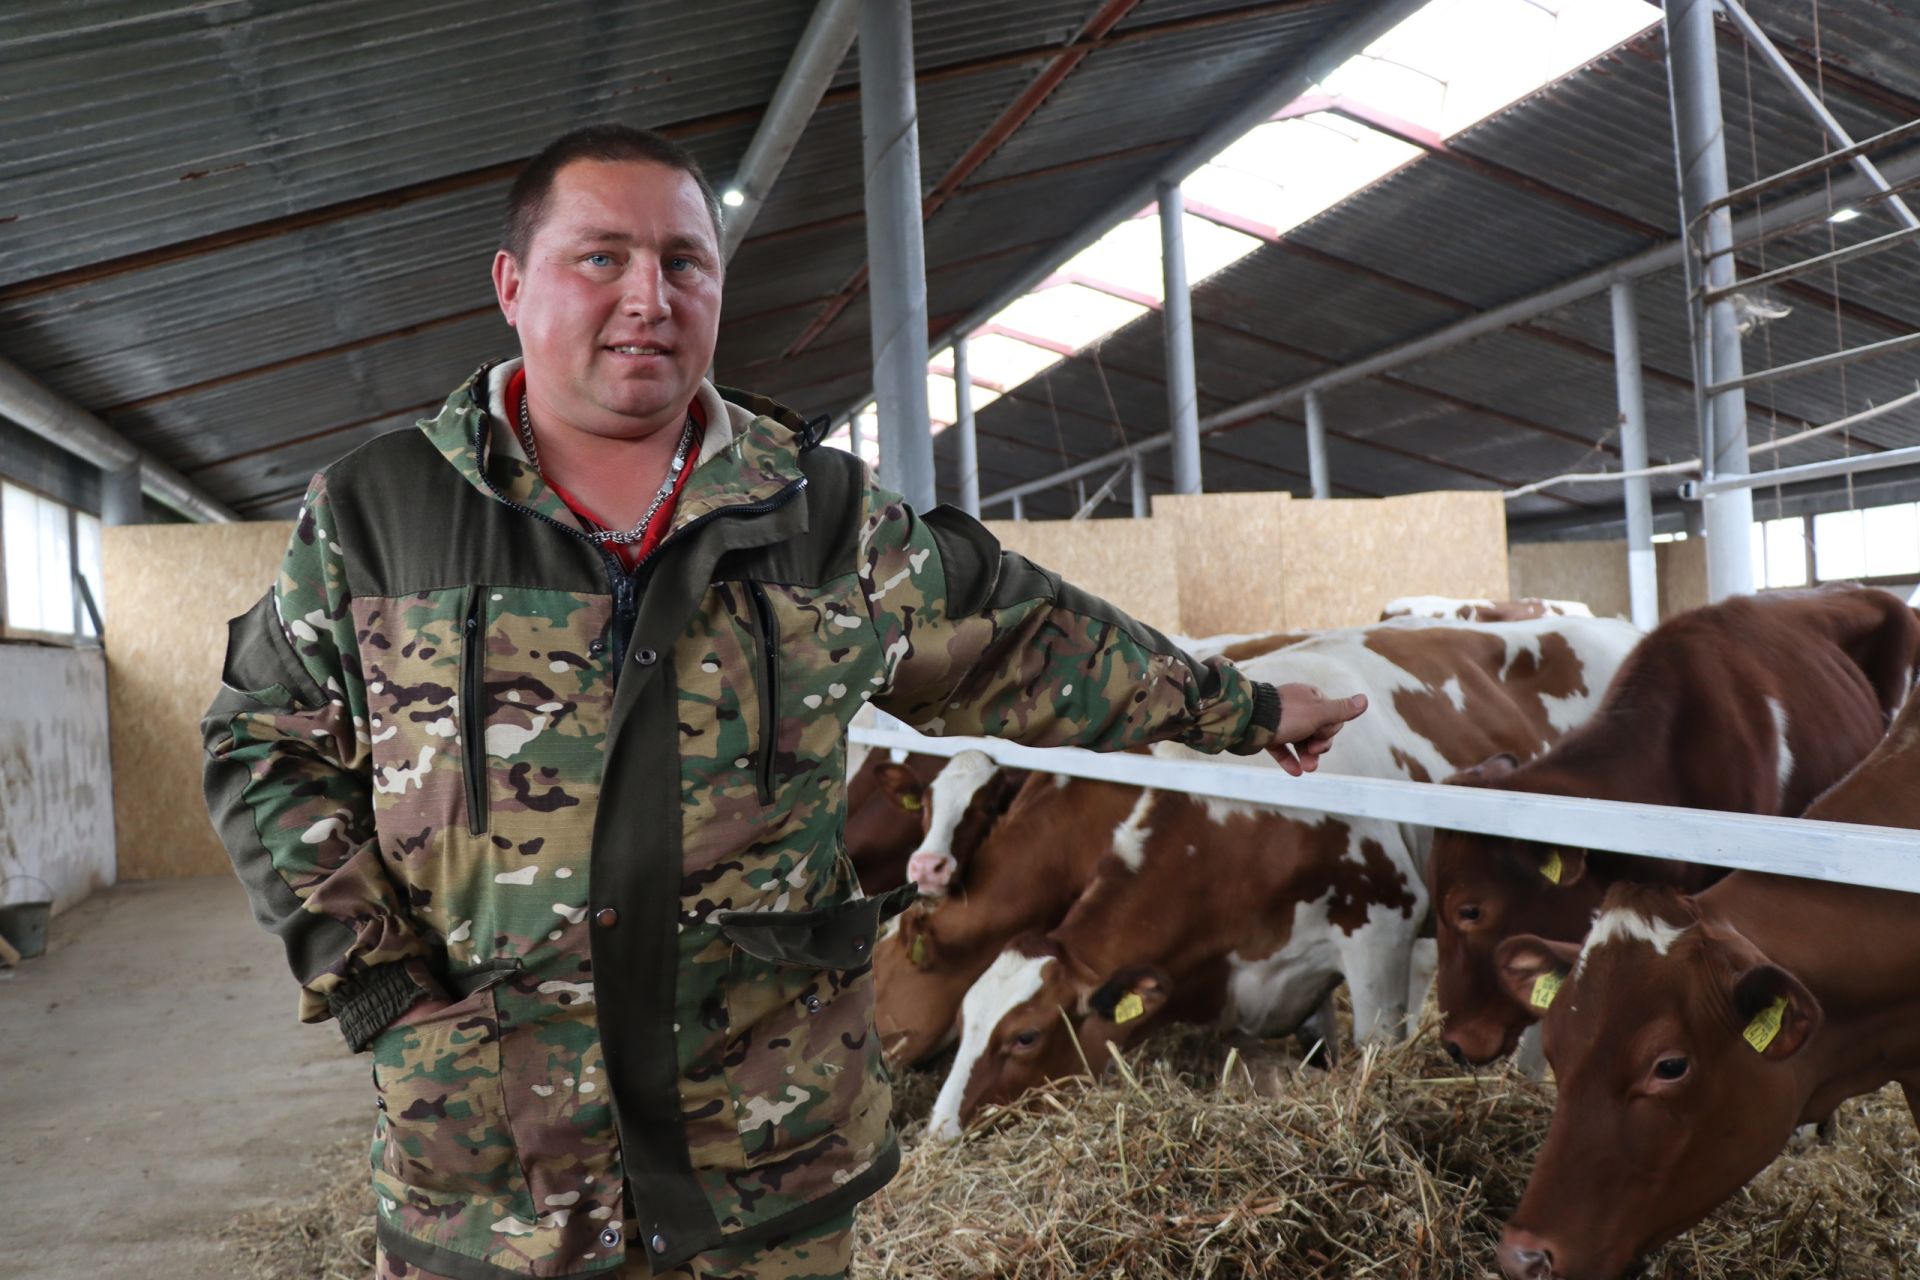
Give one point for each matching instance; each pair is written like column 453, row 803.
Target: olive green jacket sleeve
column 981, row 641
column 289, row 785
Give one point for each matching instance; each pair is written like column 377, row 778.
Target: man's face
column 618, row 301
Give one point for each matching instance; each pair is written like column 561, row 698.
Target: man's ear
column 506, row 283
column 1776, row 1012
column 1533, row 970
column 1488, row 772
column 901, row 786
column 1135, row 992
column 1560, row 865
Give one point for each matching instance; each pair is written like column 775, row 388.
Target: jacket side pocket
column 473, row 708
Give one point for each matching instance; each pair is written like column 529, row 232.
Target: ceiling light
column 732, row 199
column 1845, row 215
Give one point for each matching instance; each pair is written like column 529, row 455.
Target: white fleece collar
column 724, row 418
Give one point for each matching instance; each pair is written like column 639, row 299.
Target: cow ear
column 917, row 940
column 1131, row 994
column 1776, row 1012
column 901, row 786
column 1533, row 970
column 1489, row 771
column 1562, row 865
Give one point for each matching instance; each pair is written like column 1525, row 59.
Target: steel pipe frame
column 1176, row 314
column 1838, row 852
column 967, row 442
column 1642, row 583
column 25, row 400
column 1810, row 471
column 1814, row 364
column 823, row 47
column 890, row 136
column 1819, row 163
column 1318, row 479
column 1831, row 258
column 1791, row 78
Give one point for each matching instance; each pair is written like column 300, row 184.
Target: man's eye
column 681, row 264
column 599, row 259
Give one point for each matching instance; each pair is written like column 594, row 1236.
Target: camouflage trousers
column 820, row 1253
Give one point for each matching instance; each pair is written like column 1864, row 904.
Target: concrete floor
column 153, row 1081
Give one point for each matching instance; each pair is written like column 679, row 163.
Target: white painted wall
column 56, row 784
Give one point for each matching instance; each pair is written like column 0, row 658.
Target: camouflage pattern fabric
column 821, row 1253
column 457, row 747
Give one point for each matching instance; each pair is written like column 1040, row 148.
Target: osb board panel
column 170, row 590
column 1345, row 558
column 1682, row 570
column 1124, row 562
column 1228, row 546
column 1594, row 573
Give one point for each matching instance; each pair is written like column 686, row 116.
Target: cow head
column 1486, row 889
column 1035, row 1015
column 885, row 818
column 1672, row 1039
column 966, row 798
column 919, row 978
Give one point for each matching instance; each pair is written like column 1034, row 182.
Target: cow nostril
column 1458, row 1054
column 1525, row 1259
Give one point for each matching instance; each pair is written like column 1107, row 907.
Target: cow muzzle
column 1525, row 1257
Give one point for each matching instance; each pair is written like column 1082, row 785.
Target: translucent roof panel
column 1070, row 314
column 1007, row 362
column 1128, row 255
column 1282, row 173
column 1211, row 247
column 1481, row 55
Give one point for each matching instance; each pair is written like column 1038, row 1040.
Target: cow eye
column 1670, row 1068
column 1467, row 914
column 1026, row 1039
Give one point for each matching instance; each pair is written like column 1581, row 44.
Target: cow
column 1753, row 705
column 1690, row 1036
column 885, row 817
column 1206, row 910
column 972, row 792
column 1482, row 610
column 1024, row 875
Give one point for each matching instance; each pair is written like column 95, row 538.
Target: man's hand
column 1308, row 721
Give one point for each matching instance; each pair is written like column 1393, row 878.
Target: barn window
column 37, row 542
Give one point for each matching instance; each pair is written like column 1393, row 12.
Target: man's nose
column 645, row 293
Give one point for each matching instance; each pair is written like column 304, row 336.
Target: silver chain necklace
column 674, row 469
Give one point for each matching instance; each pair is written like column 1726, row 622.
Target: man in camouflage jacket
column 560, row 841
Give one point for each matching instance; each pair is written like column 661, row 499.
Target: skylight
column 1450, row 65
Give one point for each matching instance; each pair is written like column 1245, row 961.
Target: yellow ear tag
column 917, row 953
column 1765, row 1027
column 1551, row 868
column 910, row 802
column 1545, row 988
column 1131, row 1006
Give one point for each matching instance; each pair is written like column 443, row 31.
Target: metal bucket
column 24, row 924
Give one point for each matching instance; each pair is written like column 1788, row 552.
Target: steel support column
column 1142, row 507
column 1183, row 404
column 1642, row 585
column 1317, row 448
column 121, row 501
column 969, row 447
column 890, row 134
column 1019, row 507
column 1693, row 73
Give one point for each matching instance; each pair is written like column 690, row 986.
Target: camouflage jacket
column 604, row 809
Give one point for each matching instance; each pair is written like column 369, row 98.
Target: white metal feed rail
column 1876, row 857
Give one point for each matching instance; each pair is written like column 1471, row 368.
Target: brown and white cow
column 1024, row 875
column 1690, row 1036
column 886, row 814
column 1754, row 705
column 1482, row 610
column 1207, row 910
column 964, row 801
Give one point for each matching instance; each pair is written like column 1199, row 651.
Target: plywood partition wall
column 1347, row 557
column 1230, row 548
column 1125, row 562
column 1595, row 573
column 170, row 590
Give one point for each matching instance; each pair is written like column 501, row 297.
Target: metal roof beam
column 27, row 401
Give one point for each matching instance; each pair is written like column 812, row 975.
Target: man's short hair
column 527, row 202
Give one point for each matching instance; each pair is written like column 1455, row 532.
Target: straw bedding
column 1208, row 1157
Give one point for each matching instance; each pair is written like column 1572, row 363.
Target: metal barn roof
column 251, row 236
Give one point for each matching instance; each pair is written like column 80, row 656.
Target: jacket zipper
column 769, row 688
column 473, row 711
column 625, row 586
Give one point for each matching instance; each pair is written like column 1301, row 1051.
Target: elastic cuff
column 367, row 1004
column 1264, row 724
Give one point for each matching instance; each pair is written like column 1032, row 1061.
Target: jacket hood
column 751, row 449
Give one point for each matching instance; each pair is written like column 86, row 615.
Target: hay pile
column 1218, row 1159
column 1199, row 1162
